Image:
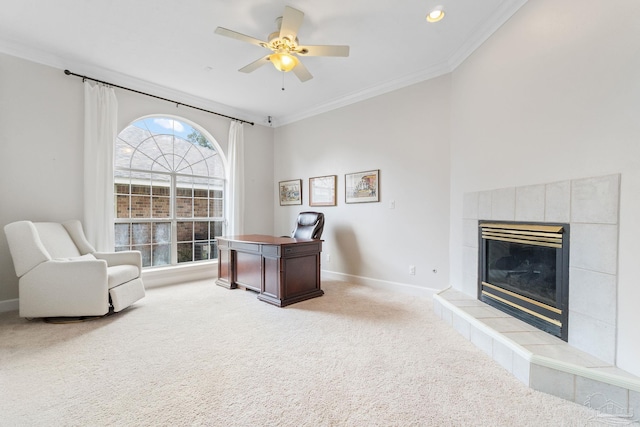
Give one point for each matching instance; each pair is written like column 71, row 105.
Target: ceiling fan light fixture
column 283, row 61
column 436, row 14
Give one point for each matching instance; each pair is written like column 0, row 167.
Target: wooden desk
column 282, row 270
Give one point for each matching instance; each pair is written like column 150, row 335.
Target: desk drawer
column 245, row 247
column 300, row 249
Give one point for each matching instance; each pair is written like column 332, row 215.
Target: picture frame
column 322, row 190
column 290, row 192
column 362, row 187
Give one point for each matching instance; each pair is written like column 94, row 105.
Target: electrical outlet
column 412, row 270
column 392, row 204
column 328, row 258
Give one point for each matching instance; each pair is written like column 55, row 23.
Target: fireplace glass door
column 524, row 272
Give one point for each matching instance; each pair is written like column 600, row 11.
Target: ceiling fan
column 284, row 46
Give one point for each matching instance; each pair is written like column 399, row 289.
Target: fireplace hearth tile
column 508, row 324
column 530, row 338
column 596, row 395
column 593, row 294
column 483, row 312
column 566, row 354
column 503, row 204
column 553, row 382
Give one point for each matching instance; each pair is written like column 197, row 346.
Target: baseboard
column 380, row 284
column 9, row 305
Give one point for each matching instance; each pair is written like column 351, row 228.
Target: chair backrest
column 309, row 225
column 32, row 243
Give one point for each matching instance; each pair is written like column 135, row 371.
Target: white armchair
column 61, row 274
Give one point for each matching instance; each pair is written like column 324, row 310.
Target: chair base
column 75, row 319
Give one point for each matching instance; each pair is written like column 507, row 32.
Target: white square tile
column 594, row 247
column 508, row 324
column 521, row 368
column 595, row 200
column 557, row 383
column 437, row 308
column 481, row 340
column 470, row 206
column 603, row 397
column 634, row 405
column 470, row 233
column 593, row 294
column 566, row 353
column 461, row 326
column 484, row 205
column 503, row 355
column 558, row 202
column 592, row 336
column 530, row 203
column 484, row 312
column 469, row 270
column 503, row 204
column 531, row 338
column 447, row 315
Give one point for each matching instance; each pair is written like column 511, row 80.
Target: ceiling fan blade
column 239, row 36
column 291, row 21
column 302, row 73
column 322, row 50
column 255, row 65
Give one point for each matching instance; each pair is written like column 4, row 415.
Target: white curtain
column 100, row 131
column 235, row 192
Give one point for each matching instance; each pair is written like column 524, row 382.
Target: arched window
column 169, row 179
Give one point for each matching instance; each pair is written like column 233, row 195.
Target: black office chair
column 309, row 225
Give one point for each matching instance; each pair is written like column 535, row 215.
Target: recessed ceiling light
column 436, row 14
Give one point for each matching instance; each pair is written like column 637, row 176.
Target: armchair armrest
column 73, row 287
column 121, row 258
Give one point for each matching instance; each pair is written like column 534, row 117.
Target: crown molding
column 370, row 92
column 481, row 34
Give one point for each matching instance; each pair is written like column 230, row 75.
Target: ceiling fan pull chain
column 283, row 80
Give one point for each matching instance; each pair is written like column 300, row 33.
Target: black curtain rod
column 69, row 73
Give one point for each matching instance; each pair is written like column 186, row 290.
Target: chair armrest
column 69, row 276
column 121, row 258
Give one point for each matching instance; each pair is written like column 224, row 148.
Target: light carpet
column 197, row 354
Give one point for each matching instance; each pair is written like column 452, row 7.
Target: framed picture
column 290, row 192
column 361, row 187
column 322, row 190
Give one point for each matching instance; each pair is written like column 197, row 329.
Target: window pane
column 215, row 228
column 123, row 235
column 185, row 231
column 145, row 250
column 122, row 206
column 162, row 232
column 184, row 208
column 161, row 255
column 216, row 208
column 185, row 252
column 201, row 231
column 141, row 233
column 201, row 251
column 200, row 208
column 140, row 207
column 161, row 207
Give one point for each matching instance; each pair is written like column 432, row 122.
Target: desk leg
column 226, row 268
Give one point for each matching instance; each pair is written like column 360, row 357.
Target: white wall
column 555, row 95
column 405, row 135
column 41, row 151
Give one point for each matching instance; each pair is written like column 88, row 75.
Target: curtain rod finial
column 67, row 72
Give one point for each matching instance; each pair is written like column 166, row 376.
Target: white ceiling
column 168, row 47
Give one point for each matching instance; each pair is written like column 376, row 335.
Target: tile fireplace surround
column 585, row 366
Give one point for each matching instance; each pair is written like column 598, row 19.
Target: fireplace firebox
column 524, row 271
